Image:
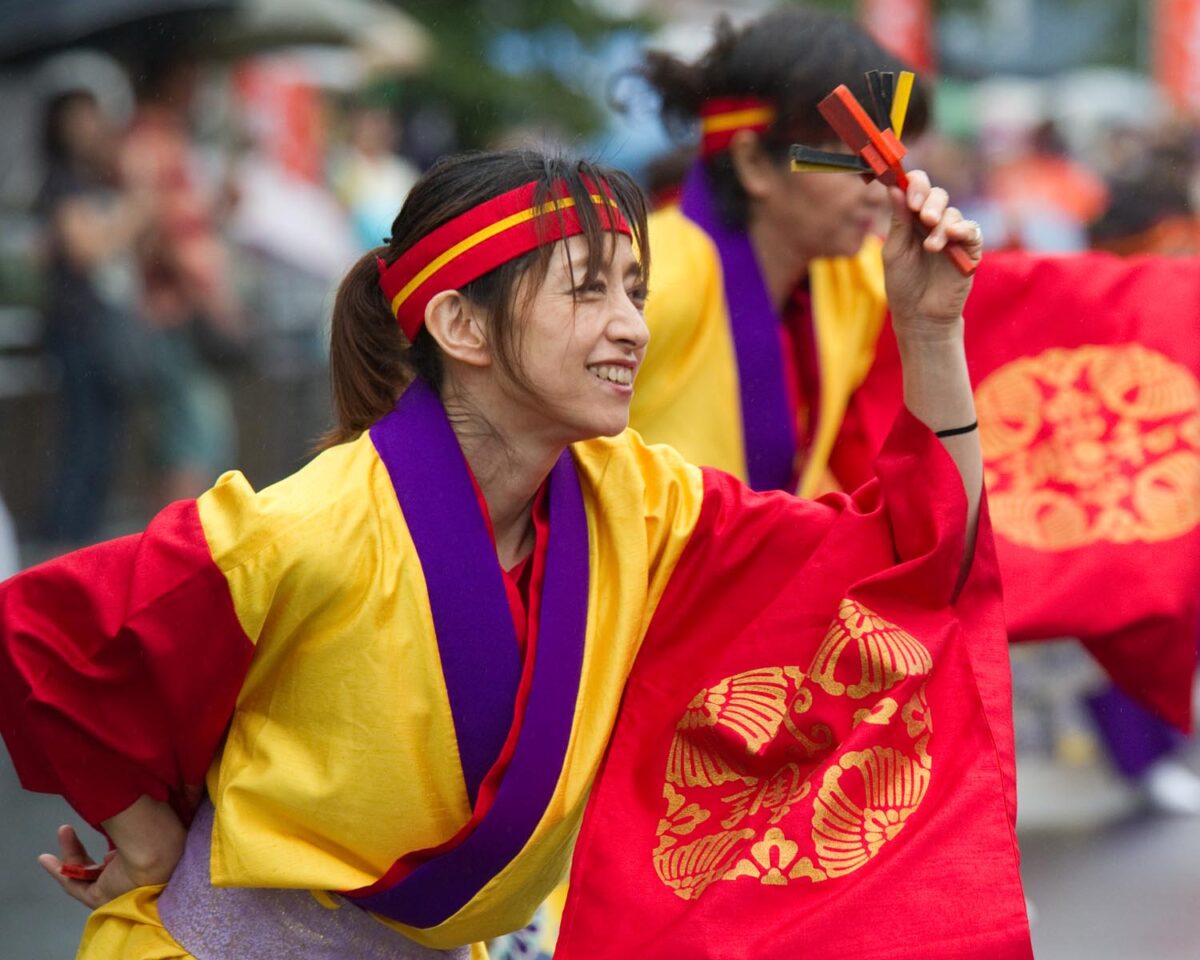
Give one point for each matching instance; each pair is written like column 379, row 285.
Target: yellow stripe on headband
column 478, row 237
column 720, row 122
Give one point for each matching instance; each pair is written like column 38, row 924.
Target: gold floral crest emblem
column 1096, row 443
column 842, row 748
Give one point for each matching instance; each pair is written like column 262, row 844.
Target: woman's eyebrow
column 578, row 262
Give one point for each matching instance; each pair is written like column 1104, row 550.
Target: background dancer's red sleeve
column 119, row 667
column 1086, row 377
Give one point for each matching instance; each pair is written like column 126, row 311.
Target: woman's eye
column 595, row 287
column 637, row 295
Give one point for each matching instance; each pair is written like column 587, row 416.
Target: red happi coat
column 817, row 759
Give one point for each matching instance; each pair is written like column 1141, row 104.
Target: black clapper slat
column 875, row 91
column 844, row 161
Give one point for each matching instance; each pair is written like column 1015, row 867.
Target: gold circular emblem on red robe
column 772, row 776
column 1090, row 444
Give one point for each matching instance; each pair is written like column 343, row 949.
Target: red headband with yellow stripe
column 722, row 117
column 478, row 241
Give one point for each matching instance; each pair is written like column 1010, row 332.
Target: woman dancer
column 393, row 675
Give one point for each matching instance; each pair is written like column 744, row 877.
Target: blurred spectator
column 1150, row 213
column 1151, row 207
column 1146, row 218
column 1048, row 198
column 371, row 179
column 188, row 301
column 91, row 231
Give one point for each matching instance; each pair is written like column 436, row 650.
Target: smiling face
column 580, row 342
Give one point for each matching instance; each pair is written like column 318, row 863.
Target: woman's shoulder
column 337, row 489
column 627, row 468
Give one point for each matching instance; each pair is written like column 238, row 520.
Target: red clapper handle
column 882, row 152
column 82, row 871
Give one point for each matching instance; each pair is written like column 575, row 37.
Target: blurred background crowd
column 182, row 183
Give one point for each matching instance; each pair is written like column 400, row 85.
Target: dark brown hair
column 370, row 359
column 793, row 58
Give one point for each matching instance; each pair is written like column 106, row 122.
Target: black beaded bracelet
column 957, row 431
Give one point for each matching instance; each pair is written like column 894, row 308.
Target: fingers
column 76, row 889
column 50, row 863
column 925, row 203
column 918, row 189
column 948, row 219
column 968, row 234
column 944, row 225
column 70, row 847
column 72, row 851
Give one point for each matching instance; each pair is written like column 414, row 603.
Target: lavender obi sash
column 234, row 923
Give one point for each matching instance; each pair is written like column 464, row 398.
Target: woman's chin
column 606, row 427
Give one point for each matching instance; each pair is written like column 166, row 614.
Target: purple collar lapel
column 479, row 651
column 768, row 427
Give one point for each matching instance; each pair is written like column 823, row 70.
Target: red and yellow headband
column 478, row 241
column 722, row 117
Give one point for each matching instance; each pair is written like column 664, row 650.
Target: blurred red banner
column 904, row 27
column 1176, row 50
column 281, row 108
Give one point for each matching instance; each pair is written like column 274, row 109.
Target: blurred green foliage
column 485, row 99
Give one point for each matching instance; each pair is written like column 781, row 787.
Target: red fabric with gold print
column 1085, row 371
column 817, row 759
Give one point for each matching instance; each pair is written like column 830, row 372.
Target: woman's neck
column 783, row 268
column 509, row 472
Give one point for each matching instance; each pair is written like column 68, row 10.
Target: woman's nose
column 628, row 324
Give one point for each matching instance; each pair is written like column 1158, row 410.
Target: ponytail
column 681, row 88
column 370, row 360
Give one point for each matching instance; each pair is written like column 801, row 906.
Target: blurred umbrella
column 387, row 39
column 33, row 28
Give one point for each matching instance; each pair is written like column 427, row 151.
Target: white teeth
column 622, row 375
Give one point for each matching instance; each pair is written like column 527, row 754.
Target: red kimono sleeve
column 814, row 755
column 119, row 667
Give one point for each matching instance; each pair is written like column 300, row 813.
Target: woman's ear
column 755, row 170
column 457, row 326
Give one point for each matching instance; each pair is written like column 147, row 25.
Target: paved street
column 1106, row 880
column 37, row 922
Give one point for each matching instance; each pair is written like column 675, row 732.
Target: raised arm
column 926, row 294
